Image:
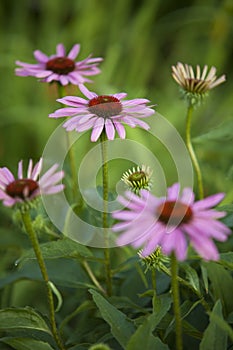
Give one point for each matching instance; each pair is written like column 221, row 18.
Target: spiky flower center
column 21, row 188
column 197, row 85
column 60, row 65
column 137, row 176
column 105, row 106
column 174, row 213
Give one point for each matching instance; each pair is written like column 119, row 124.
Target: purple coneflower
column 25, row 188
column 60, row 67
column 138, row 178
column 171, row 222
column 103, row 113
column 198, row 83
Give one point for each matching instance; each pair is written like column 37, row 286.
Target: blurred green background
column 139, row 41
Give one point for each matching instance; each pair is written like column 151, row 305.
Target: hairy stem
column 76, row 195
column 192, row 153
column 26, row 218
column 92, row 276
column 188, row 285
column 108, row 276
column 176, row 302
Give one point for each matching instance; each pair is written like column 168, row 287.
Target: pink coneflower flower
column 25, row 188
column 60, row 67
column 103, row 113
column 171, row 223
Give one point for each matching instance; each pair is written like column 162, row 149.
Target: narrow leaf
column 22, row 318
column 62, row 248
column 26, row 344
column 121, row 327
column 222, row 284
column 222, row 132
column 143, row 334
column 214, row 337
column 191, row 276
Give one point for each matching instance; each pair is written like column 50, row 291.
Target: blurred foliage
column 139, row 41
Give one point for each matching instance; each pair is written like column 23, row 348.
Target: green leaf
column 214, row 337
column 222, row 284
column 204, row 275
column 26, row 344
column 186, row 308
column 223, row 132
column 147, row 342
column 226, row 259
column 22, row 318
column 191, row 330
column 62, row 248
column 192, row 276
column 121, row 327
column 143, row 334
column 71, row 273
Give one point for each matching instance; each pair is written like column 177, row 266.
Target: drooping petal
column 120, row 129
column 97, row 129
column 208, row 202
column 109, row 128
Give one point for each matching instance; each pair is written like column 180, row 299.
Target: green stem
column 103, row 142
column 76, row 195
column 191, row 151
column 176, row 302
column 188, row 285
column 26, row 218
column 153, row 279
column 92, row 276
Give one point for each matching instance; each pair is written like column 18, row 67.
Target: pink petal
column 37, row 169
column 86, row 92
column 205, row 248
column 173, row 192
column 53, row 189
column 208, row 202
column 176, row 242
column 109, row 128
column 6, row 175
column 29, row 172
column 120, row 129
column 97, row 129
column 64, row 80
column 74, row 51
column 60, row 50
column 120, row 95
column 40, row 56
column 48, row 173
column 187, row 196
column 73, row 101
column 20, row 170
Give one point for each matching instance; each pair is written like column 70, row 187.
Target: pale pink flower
column 171, row 223
column 25, row 188
column 103, row 113
column 60, row 67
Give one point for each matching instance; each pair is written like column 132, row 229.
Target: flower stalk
column 26, row 218
column 192, row 152
column 76, row 194
column 103, row 139
column 176, row 302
